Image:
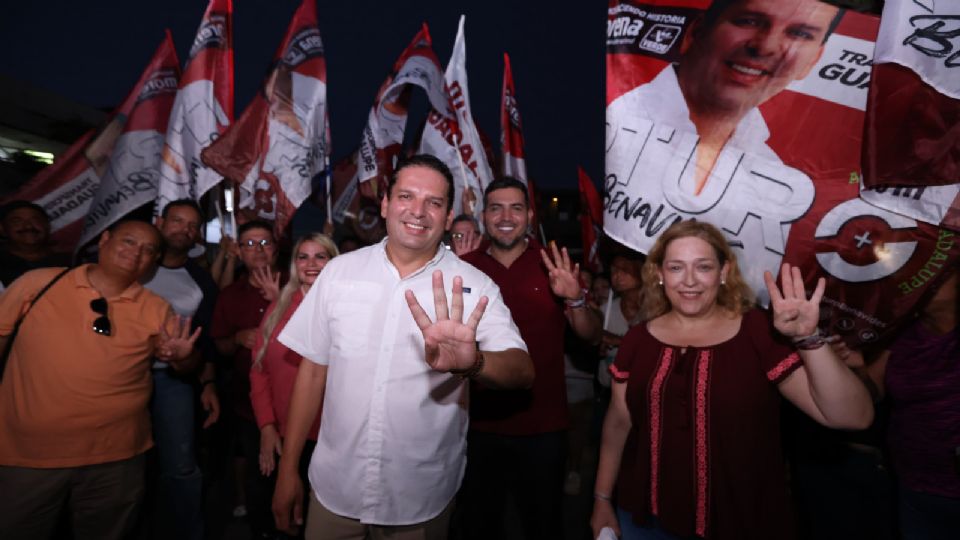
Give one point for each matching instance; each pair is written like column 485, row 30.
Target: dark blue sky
column 93, row 52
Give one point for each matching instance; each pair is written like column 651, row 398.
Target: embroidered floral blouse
column 703, row 454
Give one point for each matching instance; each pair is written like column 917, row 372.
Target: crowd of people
column 442, row 383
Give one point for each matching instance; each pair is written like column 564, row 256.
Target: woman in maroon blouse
column 692, row 437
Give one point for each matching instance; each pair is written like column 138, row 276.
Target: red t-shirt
column 703, row 453
column 538, row 314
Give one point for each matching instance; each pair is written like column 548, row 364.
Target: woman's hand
column 270, row 447
column 794, row 315
column 603, row 516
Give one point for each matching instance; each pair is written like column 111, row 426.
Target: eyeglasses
column 253, row 244
column 101, row 324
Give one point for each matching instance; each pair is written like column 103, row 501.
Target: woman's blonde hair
column 286, row 294
column 735, row 295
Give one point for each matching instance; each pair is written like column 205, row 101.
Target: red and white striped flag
column 203, row 109
column 591, row 221
column 511, row 139
column 359, row 180
column 67, row 188
column 452, row 136
column 911, row 157
column 282, row 139
column 131, row 175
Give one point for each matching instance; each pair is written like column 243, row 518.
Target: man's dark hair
column 505, row 182
column 255, row 224
column 182, row 202
column 8, row 208
column 430, row 162
column 468, row 218
column 717, row 8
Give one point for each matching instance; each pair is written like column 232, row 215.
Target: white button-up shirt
column 392, row 447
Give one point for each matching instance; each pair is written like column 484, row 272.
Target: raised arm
column 565, row 283
column 824, row 388
column 450, row 345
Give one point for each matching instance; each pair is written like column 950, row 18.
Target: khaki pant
column 103, row 500
column 323, row 524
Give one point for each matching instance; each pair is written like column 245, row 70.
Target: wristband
column 579, row 302
column 601, row 496
column 473, row 370
column 811, row 342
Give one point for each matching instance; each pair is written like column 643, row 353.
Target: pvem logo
column 660, row 38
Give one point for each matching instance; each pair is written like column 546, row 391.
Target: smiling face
column 416, row 212
column 691, row 274
column 506, row 217
column 751, row 52
column 129, row 250
column 309, row 260
column 26, row 228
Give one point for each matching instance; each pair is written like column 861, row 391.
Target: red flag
column 591, row 221
column 511, row 139
column 773, row 162
column 282, row 139
column 203, row 109
column 359, row 179
column 105, row 175
column 911, row 156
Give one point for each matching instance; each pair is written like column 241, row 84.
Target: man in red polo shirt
column 517, row 441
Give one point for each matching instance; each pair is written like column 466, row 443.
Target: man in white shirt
column 390, row 453
column 692, row 142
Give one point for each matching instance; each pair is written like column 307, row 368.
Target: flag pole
column 329, row 191
column 463, row 173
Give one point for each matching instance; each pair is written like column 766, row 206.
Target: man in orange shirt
column 73, row 401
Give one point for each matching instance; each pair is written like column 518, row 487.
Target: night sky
column 92, row 52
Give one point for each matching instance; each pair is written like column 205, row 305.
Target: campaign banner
column 202, row 110
column 514, row 162
column 911, row 157
column 282, row 140
column 66, row 188
column 591, row 221
column 452, row 135
column 359, row 180
column 129, row 179
column 749, row 114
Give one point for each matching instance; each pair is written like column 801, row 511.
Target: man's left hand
column 176, row 344
column 211, row 404
column 449, row 343
column 564, row 276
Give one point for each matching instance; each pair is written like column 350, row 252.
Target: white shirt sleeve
column 307, row 332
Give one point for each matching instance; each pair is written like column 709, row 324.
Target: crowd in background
column 660, row 374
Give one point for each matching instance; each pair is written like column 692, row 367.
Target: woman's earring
column 661, row 282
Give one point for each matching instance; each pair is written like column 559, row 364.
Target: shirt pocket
column 355, row 307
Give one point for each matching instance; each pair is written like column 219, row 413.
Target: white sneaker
column 239, row 511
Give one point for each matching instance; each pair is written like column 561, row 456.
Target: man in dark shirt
column 236, row 318
column 517, row 442
column 26, row 229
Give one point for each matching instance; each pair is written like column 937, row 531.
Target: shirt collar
column 437, row 257
column 81, row 280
